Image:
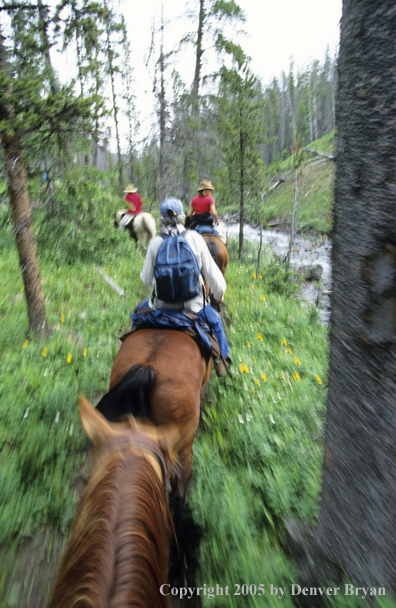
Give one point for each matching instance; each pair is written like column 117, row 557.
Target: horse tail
column 131, row 395
column 149, row 223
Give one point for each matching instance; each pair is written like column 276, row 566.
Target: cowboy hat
column 131, row 188
column 205, row 185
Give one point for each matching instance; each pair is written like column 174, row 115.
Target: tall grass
column 255, row 462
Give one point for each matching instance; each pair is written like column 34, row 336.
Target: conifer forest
column 291, row 492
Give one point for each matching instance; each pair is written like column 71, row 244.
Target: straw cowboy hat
column 131, row 188
column 205, row 185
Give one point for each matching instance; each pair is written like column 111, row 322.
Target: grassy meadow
column 256, row 459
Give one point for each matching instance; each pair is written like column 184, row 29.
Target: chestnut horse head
column 117, row 554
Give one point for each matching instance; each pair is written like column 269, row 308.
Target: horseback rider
column 203, row 209
column 172, row 220
column 133, row 199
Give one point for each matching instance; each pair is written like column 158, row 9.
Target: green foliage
column 258, row 458
column 74, row 220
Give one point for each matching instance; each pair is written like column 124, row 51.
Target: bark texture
column 20, row 209
column 357, row 523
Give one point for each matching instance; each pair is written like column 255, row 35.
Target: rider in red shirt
column 204, row 202
column 134, row 200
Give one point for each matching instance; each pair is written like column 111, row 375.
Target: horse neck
column 118, row 549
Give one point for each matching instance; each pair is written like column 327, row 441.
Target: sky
column 276, row 31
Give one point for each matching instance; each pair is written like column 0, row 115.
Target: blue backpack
column 176, row 270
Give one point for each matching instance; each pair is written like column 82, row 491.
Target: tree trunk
column 356, row 528
column 293, row 220
column 162, row 100
column 199, row 50
column 115, row 107
column 21, row 218
column 241, row 186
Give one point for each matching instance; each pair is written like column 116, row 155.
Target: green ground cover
column 257, row 459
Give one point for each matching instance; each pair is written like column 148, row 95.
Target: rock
column 312, row 273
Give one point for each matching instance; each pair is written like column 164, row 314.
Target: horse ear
column 95, row 425
column 172, row 439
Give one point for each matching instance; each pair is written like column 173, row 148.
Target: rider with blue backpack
column 177, row 262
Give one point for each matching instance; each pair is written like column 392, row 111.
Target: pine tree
column 241, row 129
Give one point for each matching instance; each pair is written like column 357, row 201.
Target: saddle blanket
column 125, row 220
column 193, row 324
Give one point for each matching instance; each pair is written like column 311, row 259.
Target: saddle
column 126, row 219
column 145, row 317
column 200, row 220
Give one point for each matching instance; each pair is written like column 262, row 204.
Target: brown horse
column 158, row 375
column 218, row 251
column 117, row 554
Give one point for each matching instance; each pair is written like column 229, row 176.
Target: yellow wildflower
column 254, row 361
column 260, row 337
column 283, row 377
column 57, row 327
column 296, row 377
column 243, row 368
column 44, row 351
column 84, row 352
column 289, row 350
column 263, row 377
column 262, row 298
column 257, row 382
column 248, row 344
column 297, row 361
column 252, row 286
column 107, row 250
column 62, row 318
column 25, row 343
column 260, row 276
column 68, row 358
column 283, row 342
column 318, row 379
column 253, row 275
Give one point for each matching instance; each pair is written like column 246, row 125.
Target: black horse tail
column 130, row 396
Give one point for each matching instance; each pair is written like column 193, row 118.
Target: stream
column 307, row 251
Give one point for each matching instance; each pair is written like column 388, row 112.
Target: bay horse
column 158, row 375
column 117, row 553
column 219, row 253
column 218, row 250
column 140, row 227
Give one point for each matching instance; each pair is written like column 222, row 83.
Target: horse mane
column 118, row 548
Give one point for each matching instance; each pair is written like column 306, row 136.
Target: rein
column 141, row 442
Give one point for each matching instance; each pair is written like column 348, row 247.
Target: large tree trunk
column 357, row 522
column 20, row 209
